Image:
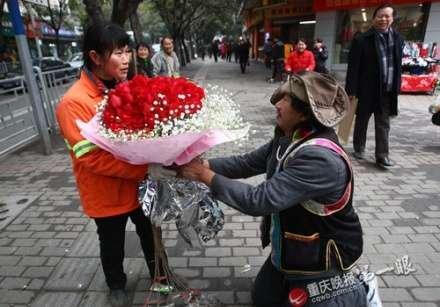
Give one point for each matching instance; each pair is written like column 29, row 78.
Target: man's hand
column 158, row 171
column 197, row 170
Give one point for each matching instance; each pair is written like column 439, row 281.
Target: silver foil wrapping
column 187, row 203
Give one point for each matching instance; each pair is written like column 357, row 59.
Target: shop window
column 410, row 21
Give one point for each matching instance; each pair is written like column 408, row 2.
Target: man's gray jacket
column 160, row 66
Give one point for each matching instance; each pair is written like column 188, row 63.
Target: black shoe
column 118, row 298
column 384, row 162
column 360, row 155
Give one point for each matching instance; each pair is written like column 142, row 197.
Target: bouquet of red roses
column 163, row 120
column 168, row 120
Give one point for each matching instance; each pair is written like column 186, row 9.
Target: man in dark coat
column 374, row 77
column 321, row 55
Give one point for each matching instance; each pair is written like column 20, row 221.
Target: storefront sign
column 48, row 31
column 291, row 11
column 329, row 5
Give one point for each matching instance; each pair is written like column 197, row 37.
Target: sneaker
column 118, row 298
column 384, row 163
column 360, row 155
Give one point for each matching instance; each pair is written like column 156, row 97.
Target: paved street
column 49, row 250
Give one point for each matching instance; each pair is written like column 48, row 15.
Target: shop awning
column 331, row 5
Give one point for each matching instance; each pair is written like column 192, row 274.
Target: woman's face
column 143, row 52
column 301, row 46
column 287, row 116
column 115, row 66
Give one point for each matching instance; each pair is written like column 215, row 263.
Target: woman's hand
column 197, row 170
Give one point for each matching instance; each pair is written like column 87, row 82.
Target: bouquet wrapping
column 168, row 121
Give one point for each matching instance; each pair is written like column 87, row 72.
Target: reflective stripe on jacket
column 106, row 186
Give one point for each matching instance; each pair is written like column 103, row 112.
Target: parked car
column 77, row 60
column 49, row 64
column 46, row 64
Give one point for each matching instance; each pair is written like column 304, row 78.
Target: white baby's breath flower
column 218, row 111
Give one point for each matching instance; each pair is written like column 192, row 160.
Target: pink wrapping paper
column 179, row 149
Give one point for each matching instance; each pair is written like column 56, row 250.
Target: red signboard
column 330, row 5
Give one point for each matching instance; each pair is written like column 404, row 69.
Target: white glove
column 157, row 172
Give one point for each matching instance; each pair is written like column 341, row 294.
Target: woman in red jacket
column 300, row 59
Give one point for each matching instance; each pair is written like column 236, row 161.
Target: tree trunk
column 94, row 12
column 136, row 27
column 186, row 53
column 179, row 50
column 122, row 9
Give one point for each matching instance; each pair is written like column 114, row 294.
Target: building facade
column 336, row 22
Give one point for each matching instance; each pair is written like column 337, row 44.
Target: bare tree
column 54, row 15
column 179, row 15
column 121, row 11
column 94, row 11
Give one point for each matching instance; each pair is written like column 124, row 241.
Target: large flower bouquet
column 163, row 120
column 168, row 121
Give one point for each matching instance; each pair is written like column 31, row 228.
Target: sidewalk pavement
column 49, row 252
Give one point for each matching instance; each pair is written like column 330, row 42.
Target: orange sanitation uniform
column 107, row 186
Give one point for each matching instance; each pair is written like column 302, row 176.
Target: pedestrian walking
column 229, row 51
column 243, row 55
column 320, row 53
column 277, row 60
column 215, row 49
column 235, row 50
column 107, row 186
column 267, row 49
column 300, row 59
column 309, row 219
column 165, row 62
column 374, row 77
column 202, row 51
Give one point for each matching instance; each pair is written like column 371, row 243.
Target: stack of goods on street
column 169, row 121
column 434, row 109
column 420, row 67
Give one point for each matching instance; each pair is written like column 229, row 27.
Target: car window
column 77, row 57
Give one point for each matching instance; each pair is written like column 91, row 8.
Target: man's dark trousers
column 381, row 125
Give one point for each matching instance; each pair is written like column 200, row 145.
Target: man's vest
column 313, row 238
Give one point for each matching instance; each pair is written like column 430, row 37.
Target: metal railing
column 17, row 120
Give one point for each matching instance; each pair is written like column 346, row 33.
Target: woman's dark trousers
column 111, row 233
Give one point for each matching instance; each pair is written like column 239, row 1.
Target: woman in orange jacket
column 107, row 186
column 300, row 59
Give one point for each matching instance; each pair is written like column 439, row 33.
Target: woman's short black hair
column 301, row 39
column 103, row 38
column 383, row 6
column 142, row 44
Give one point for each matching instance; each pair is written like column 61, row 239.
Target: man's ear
column 95, row 57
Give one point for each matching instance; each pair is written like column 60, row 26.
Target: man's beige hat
column 328, row 100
